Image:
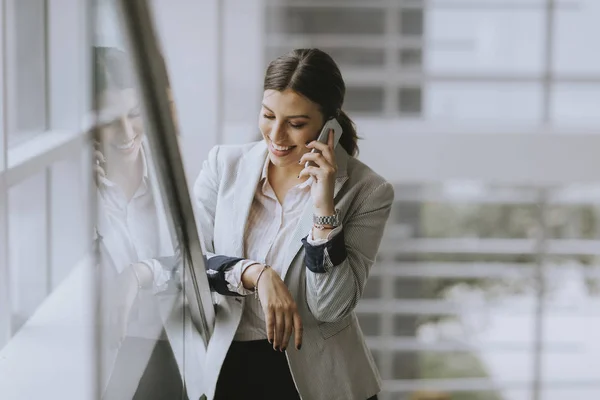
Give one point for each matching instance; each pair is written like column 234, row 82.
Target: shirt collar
column 108, row 183
column 264, row 181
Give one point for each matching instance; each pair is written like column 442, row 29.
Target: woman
column 290, row 247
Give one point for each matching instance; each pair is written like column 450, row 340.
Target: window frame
column 58, row 141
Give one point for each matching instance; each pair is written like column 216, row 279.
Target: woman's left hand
column 323, row 173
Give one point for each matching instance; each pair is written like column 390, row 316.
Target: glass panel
column 452, row 364
column 571, row 316
column 141, row 261
column 343, row 56
column 364, row 99
column 475, row 394
column 476, row 102
column 574, row 26
column 576, row 104
column 411, row 22
column 26, row 48
column 458, row 306
column 136, row 245
column 70, row 217
column 325, row 20
column 571, row 324
column 370, row 324
column 410, row 58
column 28, row 267
column 410, row 101
column 373, row 288
column 485, row 40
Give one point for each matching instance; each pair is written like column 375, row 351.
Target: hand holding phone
column 324, row 136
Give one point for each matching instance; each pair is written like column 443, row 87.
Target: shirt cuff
column 160, row 277
column 318, row 242
column 233, row 276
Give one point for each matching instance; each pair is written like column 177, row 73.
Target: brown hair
column 313, row 74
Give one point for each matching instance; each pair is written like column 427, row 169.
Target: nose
column 127, row 128
column 278, row 133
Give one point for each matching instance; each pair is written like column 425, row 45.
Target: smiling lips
column 281, row 151
column 126, row 146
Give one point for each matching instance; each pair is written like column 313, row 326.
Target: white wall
column 243, row 68
column 189, row 34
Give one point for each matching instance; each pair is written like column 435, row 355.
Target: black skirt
column 253, row 370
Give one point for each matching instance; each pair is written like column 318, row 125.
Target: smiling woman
column 301, row 238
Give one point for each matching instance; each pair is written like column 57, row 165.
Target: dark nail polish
column 299, row 346
column 308, row 142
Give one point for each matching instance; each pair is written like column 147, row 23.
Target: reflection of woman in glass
column 128, row 219
column 132, row 231
column 292, row 245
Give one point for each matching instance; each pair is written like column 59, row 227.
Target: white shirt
column 270, row 226
column 129, row 229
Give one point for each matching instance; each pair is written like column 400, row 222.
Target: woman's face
column 121, row 134
column 287, row 122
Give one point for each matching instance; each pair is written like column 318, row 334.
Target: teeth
column 281, row 148
column 127, row 145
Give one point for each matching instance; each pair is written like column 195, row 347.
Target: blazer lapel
column 248, row 174
column 305, row 223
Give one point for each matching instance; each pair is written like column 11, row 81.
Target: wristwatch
column 329, row 220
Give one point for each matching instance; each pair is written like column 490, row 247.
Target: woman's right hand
column 99, row 162
column 279, row 307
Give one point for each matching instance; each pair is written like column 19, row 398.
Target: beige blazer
column 334, row 362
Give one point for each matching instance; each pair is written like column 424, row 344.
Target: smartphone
column 324, row 136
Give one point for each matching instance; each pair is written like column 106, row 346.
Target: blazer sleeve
column 336, row 284
column 206, row 194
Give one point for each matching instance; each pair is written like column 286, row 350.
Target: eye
column 268, row 116
column 297, row 126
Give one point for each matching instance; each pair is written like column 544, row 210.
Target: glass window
column 26, row 69
column 411, row 22
column 483, row 101
column 325, row 20
column 410, row 101
column 70, row 216
column 370, row 324
column 574, row 27
column 462, row 310
column 485, row 40
column 364, row 99
column 410, row 58
column 27, row 233
column 344, row 56
column 152, row 324
column 140, row 260
column 576, row 104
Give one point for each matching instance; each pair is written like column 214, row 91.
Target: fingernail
column 298, row 176
column 300, row 162
column 299, row 346
column 308, row 142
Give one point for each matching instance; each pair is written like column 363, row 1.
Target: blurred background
column 484, row 114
